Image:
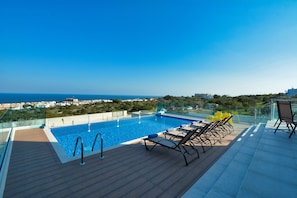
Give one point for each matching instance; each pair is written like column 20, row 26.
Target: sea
column 37, row 97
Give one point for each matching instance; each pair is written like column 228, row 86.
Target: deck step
column 272, row 167
column 233, row 164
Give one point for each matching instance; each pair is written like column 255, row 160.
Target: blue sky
column 149, row 47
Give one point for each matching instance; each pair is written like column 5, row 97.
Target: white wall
column 82, row 119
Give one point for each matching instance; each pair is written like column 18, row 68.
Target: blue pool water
column 114, row 132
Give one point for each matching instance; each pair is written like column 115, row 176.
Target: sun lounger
column 182, row 130
column 286, row 115
column 225, row 126
column 196, row 137
column 181, row 146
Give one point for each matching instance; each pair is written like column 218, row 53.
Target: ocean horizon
column 39, row 97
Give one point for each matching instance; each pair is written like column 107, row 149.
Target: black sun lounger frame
column 180, row 146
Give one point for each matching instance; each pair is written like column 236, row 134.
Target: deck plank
column 127, row 171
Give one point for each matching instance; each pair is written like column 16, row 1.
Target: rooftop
column 251, row 162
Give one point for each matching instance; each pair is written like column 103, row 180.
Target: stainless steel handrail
column 101, row 144
column 82, row 150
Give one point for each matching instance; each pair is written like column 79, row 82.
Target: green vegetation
column 100, row 107
column 31, row 113
column 243, row 105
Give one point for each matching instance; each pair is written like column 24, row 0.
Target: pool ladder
column 101, row 144
column 82, row 147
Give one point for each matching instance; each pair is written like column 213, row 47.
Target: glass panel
column 257, row 114
column 4, row 134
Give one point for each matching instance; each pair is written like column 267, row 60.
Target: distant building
column 74, row 100
column 205, row 96
column 292, row 92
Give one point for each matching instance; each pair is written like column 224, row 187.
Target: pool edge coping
column 64, row 158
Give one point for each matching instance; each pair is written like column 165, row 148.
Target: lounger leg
column 276, row 122
column 231, row 128
column 193, row 147
column 293, row 131
column 147, row 148
column 207, row 139
column 185, row 158
column 200, row 141
column 277, row 126
column 202, row 147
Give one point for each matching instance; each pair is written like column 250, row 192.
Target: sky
column 148, row 47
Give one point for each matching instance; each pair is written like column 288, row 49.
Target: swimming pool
column 113, row 132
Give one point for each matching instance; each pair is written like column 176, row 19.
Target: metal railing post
column 255, row 115
column 101, row 142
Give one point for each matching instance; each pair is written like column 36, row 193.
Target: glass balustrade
column 22, row 116
column 253, row 115
column 30, row 115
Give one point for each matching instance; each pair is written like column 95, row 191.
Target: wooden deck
column 127, row 171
